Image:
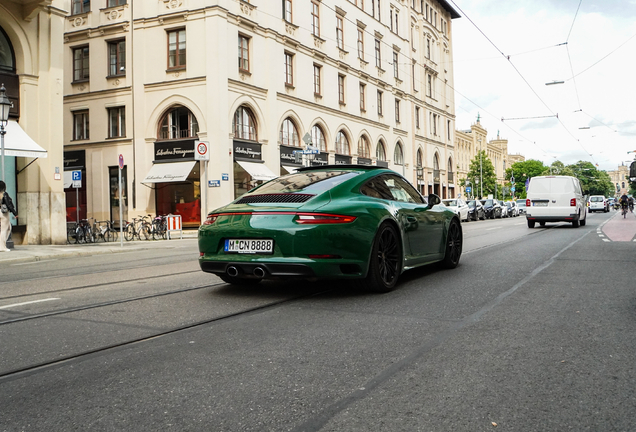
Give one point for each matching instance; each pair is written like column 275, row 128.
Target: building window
column 417, row 117
column 380, row 152
column 342, row 143
column 378, row 57
column 178, row 123
column 340, row 32
column 373, row 8
column 396, row 72
column 364, row 150
column 397, row 22
column 361, row 44
column 176, row 49
column 80, row 64
column 80, row 6
column 80, row 125
column 116, row 122
column 341, row 89
column 434, row 124
column 289, row 69
column 117, row 58
column 289, row 134
column 397, row 110
column 398, row 155
column 380, row 94
column 318, row 138
column 244, row 53
column 113, row 3
column 287, row 10
column 317, row 80
column 428, row 48
column 363, row 91
column 244, row 124
column 429, row 85
column 420, row 159
column 315, row 18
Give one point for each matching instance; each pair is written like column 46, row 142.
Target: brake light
column 573, row 202
column 322, row 218
column 528, row 203
column 210, row 219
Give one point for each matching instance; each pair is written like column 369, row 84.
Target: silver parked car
column 459, row 206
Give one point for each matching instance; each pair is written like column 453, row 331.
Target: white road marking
column 490, row 229
column 606, row 240
column 26, row 303
column 520, row 224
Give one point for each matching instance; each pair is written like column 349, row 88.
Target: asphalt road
column 534, row 331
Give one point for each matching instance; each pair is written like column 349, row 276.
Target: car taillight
column 528, row 203
column 573, row 202
column 322, row 218
column 210, row 219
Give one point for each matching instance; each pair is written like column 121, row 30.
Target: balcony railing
column 451, row 176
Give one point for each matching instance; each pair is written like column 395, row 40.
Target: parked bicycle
column 81, row 232
column 159, row 228
column 137, row 228
column 104, row 230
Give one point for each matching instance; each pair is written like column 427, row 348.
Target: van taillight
column 528, row 203
column 573, row 202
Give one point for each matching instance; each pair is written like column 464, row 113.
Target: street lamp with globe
column 5, row 107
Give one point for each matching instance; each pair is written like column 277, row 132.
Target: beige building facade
column 31, row 69
column 620, row 179
column 363, row 82
column 467, row 145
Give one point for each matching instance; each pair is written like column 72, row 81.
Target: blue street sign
column 512, row 188
column 307, row 151
column 468, row 189
column 77, row 175
column 225, row 177
column 214, row 183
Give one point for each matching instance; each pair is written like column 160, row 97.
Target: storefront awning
column 169, row 172
column 290, row 169
column 18, row 143
column 258, row 171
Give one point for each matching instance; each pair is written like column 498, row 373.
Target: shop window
column 181, row 198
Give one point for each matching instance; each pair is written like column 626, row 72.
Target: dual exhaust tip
column 259, row 272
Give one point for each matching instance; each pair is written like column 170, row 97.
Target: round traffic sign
column 121, row 161
column 202, row 148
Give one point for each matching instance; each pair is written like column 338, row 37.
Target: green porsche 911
column 331, row 222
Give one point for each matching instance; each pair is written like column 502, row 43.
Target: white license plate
column 540, row 204
column 249, row 246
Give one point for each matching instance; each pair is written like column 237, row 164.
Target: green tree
column 482, row 171
column 593, row 181
column 521, row 171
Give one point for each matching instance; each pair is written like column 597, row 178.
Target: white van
column 555, row 199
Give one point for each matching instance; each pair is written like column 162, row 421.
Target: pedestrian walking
column 6, row 207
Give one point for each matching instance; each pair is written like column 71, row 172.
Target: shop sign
column 247, row 150
column 287, row 156
column 320, row 159
column 383, row 164
column 343, row 160
column 74, row 159
column 364, row 161
column 174, row 150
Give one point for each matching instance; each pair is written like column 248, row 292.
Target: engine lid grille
column 275, row 198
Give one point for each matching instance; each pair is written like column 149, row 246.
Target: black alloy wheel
column 454, row 242
column 386, row 261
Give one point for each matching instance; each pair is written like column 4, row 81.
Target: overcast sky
column 600, row 96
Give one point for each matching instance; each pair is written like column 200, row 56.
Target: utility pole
column 481, row 174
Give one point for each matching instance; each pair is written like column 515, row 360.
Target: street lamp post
column 5, row 106
column 481, row 174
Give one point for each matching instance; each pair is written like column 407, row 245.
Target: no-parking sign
column 202, row 151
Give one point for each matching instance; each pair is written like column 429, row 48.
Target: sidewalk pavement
column 48, row 252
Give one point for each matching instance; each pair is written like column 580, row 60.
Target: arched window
column 318, row 138
column 178, row 123
column 244, row 125
column 420, row 158
column 289, row 133
column 450, row 165
column 364, row 149
column 380, row 152
column 436, row 162
column 7, row 58
column 398, row 155
column 342, row 144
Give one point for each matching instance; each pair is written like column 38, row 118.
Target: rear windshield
column 450, row 203
column 521, row 202
column 596, row 199
column 487, row 202
column 313, row 182
column 548, row 185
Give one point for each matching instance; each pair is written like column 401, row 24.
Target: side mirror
column 433, row 200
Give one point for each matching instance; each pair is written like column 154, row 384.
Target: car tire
column 235, row 280
column 385, row 264
column 530, row 224
column 575, row 224
column 542, row 224
column 583, row 221
column 454, row 241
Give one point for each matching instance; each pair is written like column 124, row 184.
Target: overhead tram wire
column 522, row 77
column 567, row 49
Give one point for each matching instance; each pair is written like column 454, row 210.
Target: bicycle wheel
column 129, row 232
column 70, row 235
column 156, row 231
column 80, row 235
column 110, row 235
column 145, row 231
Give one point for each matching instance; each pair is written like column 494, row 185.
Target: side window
column 413, row 195
column 377, row 188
